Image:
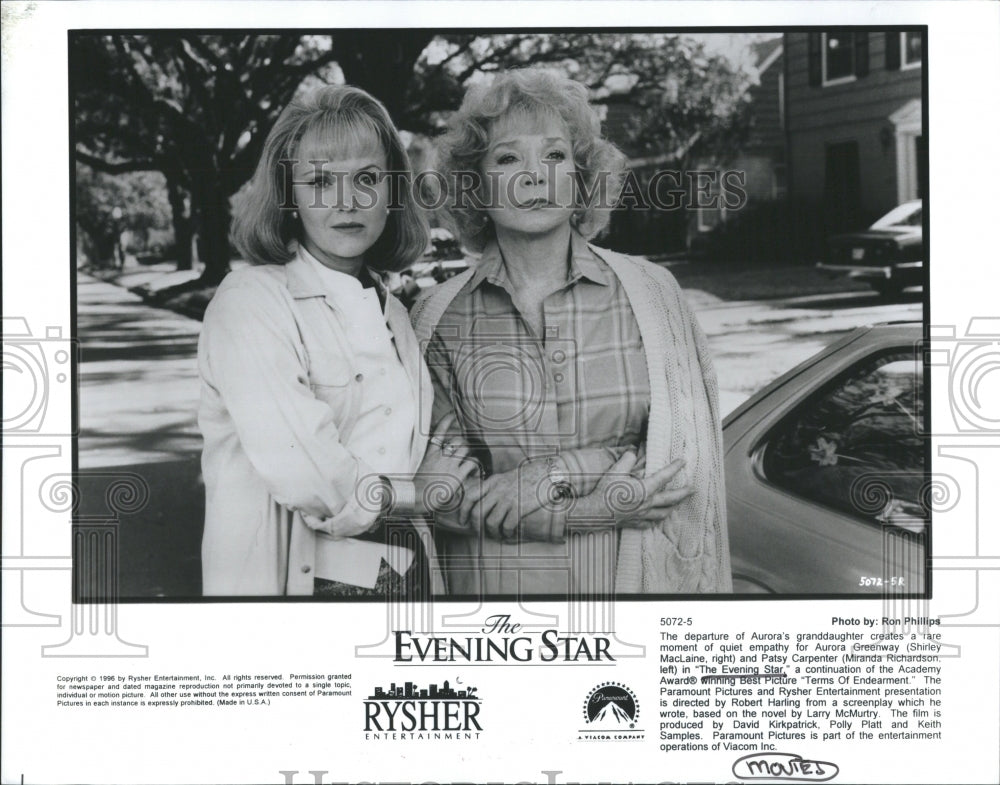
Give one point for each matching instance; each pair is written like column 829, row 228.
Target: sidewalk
column 138, row 397
column 155, row 276
column 138, row 379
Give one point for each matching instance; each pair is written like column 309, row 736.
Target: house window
column 838, row 58
column 912, row 50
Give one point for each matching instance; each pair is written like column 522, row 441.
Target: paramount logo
column 611, row 713
column 423, row 713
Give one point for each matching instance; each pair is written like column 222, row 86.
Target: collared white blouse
column 282, row 393
column 387, row 418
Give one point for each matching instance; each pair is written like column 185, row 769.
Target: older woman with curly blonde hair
column 577, row 376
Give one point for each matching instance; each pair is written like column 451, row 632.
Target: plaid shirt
column 580, row 391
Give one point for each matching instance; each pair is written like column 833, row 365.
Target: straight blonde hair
column 264, row 225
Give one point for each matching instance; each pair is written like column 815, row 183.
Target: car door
column 825, row 471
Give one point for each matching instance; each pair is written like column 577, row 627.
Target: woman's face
column 342, row 200
column 529, row 175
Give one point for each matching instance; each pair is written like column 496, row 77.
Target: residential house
column 759, row 163
column 853, row 119
column 711, row 198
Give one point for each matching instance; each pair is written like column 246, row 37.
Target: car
column 154, row 254
column 443, row 245
column 889, row 255
column 443, row 259
column 826, row 472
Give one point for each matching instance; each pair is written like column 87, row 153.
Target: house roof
column 766, row 53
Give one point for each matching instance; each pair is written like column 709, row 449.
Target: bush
column 765, row 232
column 143, row 212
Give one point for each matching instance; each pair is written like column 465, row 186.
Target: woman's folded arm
column 287, row 433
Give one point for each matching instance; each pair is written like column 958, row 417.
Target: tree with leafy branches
column 197, row 108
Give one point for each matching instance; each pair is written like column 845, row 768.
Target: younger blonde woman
column 312, row 384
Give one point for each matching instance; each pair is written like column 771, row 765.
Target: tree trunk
column 99, row 246
column 387, row 75
column 182, row 223
column 213, row 232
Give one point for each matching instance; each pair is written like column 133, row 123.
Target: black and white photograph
column 543, row 392
column 668, row 292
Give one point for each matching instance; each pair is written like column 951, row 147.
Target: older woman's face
column 342, row 200
column 529, row 173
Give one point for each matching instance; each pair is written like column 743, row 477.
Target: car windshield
column 908, row 214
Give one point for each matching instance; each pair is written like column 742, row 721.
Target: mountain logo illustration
column 611, row 713
column 611, row 705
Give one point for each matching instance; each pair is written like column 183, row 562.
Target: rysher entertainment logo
column 409, row 712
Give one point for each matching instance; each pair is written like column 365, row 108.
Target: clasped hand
column 622, row 498
column 439, row 482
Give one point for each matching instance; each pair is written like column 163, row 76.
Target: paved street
column 138, row 398
column 755, row 342
column 138, row 380
column 139, row 393
column 139, row 386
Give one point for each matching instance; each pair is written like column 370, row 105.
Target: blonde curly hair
column 532, row 93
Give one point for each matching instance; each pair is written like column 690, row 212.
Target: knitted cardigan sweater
column 688, row 552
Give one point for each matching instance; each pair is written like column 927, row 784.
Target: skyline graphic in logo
column 409, row 711
column 410, row 691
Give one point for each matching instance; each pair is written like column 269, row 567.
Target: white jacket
column 279, row 396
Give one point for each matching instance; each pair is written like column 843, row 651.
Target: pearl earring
column 295, row 214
